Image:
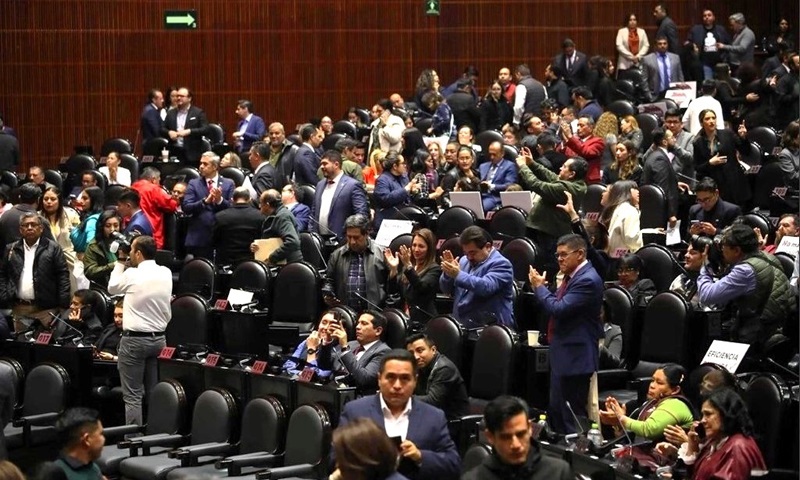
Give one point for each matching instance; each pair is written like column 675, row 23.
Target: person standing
column 185, row 127
column 147, row 287
column 251, row 128
column 573, row 330
column 205, row 196
column 279, row 223
column 150, row 122
column 666, row 28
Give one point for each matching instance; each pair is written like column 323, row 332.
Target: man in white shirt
column 691, row 118
column 147, row 287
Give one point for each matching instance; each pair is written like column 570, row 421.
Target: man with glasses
column 392, row 189
column 683, row 161
column 788, row 226
column 300, row 211
column 711, row 214
column 573, row 330
column 34, row 278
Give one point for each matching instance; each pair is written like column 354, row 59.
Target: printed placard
column 726, row 354
column 592, row 216
column 211, row 360
column 790, row 245
column 498, row 244
column 221, row 304
column 258, row 367
column 167, row 353
column 780, row 191
column 63, row 160
column 440, row 243
column 489, row 215
column 147, row 159
column 754, row 169
column 774, row 221
column 620, row 252
column 44, row 338
column 103, row 160
column 306, row 375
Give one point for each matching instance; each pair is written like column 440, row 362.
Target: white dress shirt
column 26, row 291
column 395, row 426
column 123, row 176
column 326, row 202
column 364, row 349
column 148, row 291
column 691, row 119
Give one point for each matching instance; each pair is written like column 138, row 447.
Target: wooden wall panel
column 77, row 71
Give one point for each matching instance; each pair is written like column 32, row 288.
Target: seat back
column 691, row 387
column 448, row 335
column 14, row 374
column 215, row 417
column 475, row 456
column 112, row 194
column 46, row 389
column 263, row 426
column 647, row 123
column 394, row 334
column 760, row 221
column 423, row 124
column 233, row 173
column 509, row 223
column 414, row 213
column 153, row 147
column 296, row 296
column 119, row 145
column 402, row 239
column 9, row 179
column 751, row 153
column 127, row 160
column 453, row 244
column 189, row 323
column 253, row 276
column 168, row 408
column 621, row 108
column 54, row 177
column 665, row 329
column 492, row 365
column 653, row 205
column 510, row 152
column 660, row 265
column 308, row 436
column 620, row 312
column 311, row 248
column 453, row 221
column 626, row 90
column 345, row 127
column 787, row 262
column 347, row 316
column 102, row 306
column 485, row 138
column 215, row 133
column 591, row 201
column 766, row 137
column 768, row 178
column 186, row 174
column 330, row 141
column 197, row 276
column 305, row 195
column 521, row 252
column 768, row 400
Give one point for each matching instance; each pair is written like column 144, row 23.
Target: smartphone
column 396, row 440
column 694, row 222
column 700, row 430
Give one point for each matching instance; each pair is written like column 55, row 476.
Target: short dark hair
column 29, row 193
column 573, row 241
column 261, row 149
column 742, row 236
column 709, row 85
column 359, row 221
column 583, row 92
column 74, row 422
column 378, row 318
column 546, row 140
column 732, row 410
column 567, row 43
column 672, row 112
column 306, row 131
column 83, row 295
column 706, row 184
column 386, row 104
column 345, row 143
column 675, row 374
column 658, row 136
column 476, row 235
column 631, row 261
column 130, row 196
column 151, row 95
column 332, row 155
column 245, row 104
column 401, row 355
column 420, row 336
column 147, row 246
column 501, row 409
column 241, row 193
column 523, row 69
column 580, row 167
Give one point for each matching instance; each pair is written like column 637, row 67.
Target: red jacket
column 591, row 150
column 155, row 202
column 733, row 461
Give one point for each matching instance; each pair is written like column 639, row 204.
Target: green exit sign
column 180, row 19
column 432, row 7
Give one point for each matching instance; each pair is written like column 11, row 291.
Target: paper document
column 265, row 248
column 674, row 234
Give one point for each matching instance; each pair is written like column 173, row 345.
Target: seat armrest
column 189, row 455
column 235, row 463
column 121, row 430
column 146, row 443
column 301, row 470
column 42, row 419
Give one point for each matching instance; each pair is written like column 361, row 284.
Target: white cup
column 165, row 155
column 533, row 338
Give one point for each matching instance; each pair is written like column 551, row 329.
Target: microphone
column 575, row 417
column 362, row 297
column 428, row 314
column 76, row 340
column 405, row 217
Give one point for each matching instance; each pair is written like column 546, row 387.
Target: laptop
column 470, row 200
column 521, row 200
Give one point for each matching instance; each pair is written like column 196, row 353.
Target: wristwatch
column 312, row 351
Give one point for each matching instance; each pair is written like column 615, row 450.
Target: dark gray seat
column 395, row 334
column 197, row 276
column 46, row 395
column 296, row 303
column 233, row 173
column 311, row 248
column 119, row 145
column 448, row 335
column 492, row 367
column 189, row 323
column 521, row 252
column 453, row 221
column 508, row 223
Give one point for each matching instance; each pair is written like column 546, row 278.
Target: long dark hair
column 60, row 210
column 97, row 198
column 99, row 234
column 618, row 193
column 732, row 410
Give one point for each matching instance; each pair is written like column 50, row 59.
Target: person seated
column 496, row 175
column 711, row 214
column 108, row 341
column 641, row 289
column 754, row 284
column 308, row 349
column 99, row 259
column 439, row 383
column 419, row 281
column 358, row 359
column 515, row 453
column 78, row 321
column 665, row 406
column 685, row 284
column 300, row 211
column 728, row 449
column 230, row 159
column 788, row 226
column 363, row 450
column 481, row 281
column 611, row 348
column 115, row 174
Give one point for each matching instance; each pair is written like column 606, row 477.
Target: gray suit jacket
column 363, row 372
column 652, row 70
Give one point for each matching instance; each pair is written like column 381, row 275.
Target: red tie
column 210, row 185
column 358, row 350
column 551, row 321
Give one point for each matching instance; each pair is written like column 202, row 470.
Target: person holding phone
column 108, row 341
column 308, row 348
column 711, row 214
column 80, row 316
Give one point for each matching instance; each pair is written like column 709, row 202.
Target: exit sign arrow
column 180, row 19
column 432, row 7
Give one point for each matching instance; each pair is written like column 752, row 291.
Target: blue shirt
column 740, row 281
column 292, row 368
column 486, row 288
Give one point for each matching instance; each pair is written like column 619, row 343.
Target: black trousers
column 573, row 389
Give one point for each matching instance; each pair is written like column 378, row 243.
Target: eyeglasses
column 30, row 225
column 705, row 199
column 561, row 255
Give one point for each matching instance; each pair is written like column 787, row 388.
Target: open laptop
column 522, row 200
column 470, row 200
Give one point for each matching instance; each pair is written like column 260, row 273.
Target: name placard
column 726, row 354
column 211, row 360
column 790, row 245
column 167, row 353
column 44, row 338
column 258, row 367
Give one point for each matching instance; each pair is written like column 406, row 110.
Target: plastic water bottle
column 595, row 436
column 542, row 430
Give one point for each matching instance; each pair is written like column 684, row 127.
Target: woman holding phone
column 413, row 273
column 715, row 156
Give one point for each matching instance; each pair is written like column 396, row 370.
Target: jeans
column 138, row 371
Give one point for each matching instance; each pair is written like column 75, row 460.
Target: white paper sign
column 391, row 229
column 682, row 93
column 674, row 234
column 726, row 354
column 790, row 245
column 239, row 297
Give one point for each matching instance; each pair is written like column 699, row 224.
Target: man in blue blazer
column 426, row 449
column 337, row 197
column 496, row 176
column 574, row 329
column 205, row 196
column 306, row 160
column 251, row 128
column 151, row 123
column 128, row 207
column 300, row 211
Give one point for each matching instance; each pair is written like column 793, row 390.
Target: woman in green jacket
column 99, row 259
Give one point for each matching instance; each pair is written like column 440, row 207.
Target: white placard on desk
column 391, row 229
column 239, row 297
column 789, row 245
column 674, row 234
column 521, row 200
column 726, row 354
column 682, row 93
column 470, row 200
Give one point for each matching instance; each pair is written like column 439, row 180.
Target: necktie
column 358, row 350
column 664, row 72
column 559, row 295
column 210, row 185
column 569, row 64
column 330, row 182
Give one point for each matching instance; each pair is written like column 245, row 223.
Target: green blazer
column 545, row 216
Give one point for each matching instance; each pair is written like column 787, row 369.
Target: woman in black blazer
column 419, row 280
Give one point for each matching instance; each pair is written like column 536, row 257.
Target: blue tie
column 664, row 72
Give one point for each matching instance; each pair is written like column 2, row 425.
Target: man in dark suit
column 337, row 197
column 29, row 194
column 496, row 175
column 359, row 359
column 573, row 63
column 9, row 152
column 185, row 127
column 463, row 106
column 6, row 129
column 204, row 197
column 662, row 67
column 711, row 214
column 306, row 160
column 279, row 224
column 235, row 229
column 251, row 128
column 426, row 449
column 666, row 28
column 573, row 330
column 439, row 382
column 150, row 122
column 263, row 173
column 128, row 207
column 281, row 155
column 300, row 211
column 658, row 171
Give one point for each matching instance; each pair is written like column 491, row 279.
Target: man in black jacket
column 516, row 454
column 281, row 155
column 185, row 127
column 280, row 223
column 439, row 382
column 658, row 171
column 29, row 194
column 235, row 229
column 39, row 286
